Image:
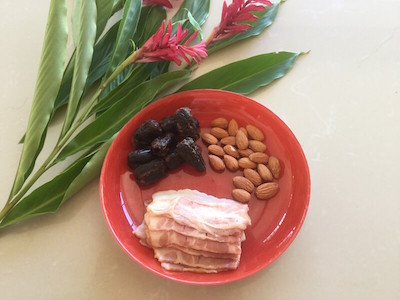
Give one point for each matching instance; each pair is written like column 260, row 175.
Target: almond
column 244, row 131
column 228, row 140
column 259, row 157
column 216, row 150
column 208, row 138
column 231, row 163
column 253, row 176
column 220, row 122
column 233, row 127
column 218, row 132
column 241, row 195
column 246, row 163
column 216, row 163
column 274, row 166
column 230, row 150
column 267, row 190
column 255, row 133
column 257, row 146
column 241, row 182
column 245, row 152
column 241, row 140
column 264, row 172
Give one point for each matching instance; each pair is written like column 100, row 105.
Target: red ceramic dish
column 275, row 222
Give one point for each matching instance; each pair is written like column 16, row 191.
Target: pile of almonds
column 232, row 147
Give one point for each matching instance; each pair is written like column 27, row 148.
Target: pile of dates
column 165, row 145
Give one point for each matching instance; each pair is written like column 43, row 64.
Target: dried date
column 146, row 133
column 161, row 146
column 139, row 156
column 186, row 124
column 190, row 152
column 150, row 172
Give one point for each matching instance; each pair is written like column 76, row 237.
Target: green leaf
column 245, row 76
column 195, row 24
column 91, row 170
column 150, row 20
column 266, row 18
column 101, row 58
column 104, row 10
column 83, row 58
column 139, row 74
column 117, row 6
column 126, row 29
column 114, row 118
column 198, row 8
column 75, row 20
column 48, row 197
column 48, row 82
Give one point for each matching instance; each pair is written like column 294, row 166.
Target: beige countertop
column 342, row 101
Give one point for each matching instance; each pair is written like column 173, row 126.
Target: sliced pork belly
column 206, row 253
column 201, row 211
column 165, row 223
column 170, row 255
column 182, row 268
column 192, row 231
column 161, row 238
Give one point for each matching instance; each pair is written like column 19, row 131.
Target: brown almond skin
column 255, row 133
column 216, row 150
column 220, row 122
column 218, row 132
column 232, row 151
column 264, row 173
column 228, row 140
column 231, row 163
column 216, row 163
column 244, row 130
column 267, row 190
column 246, row 163
column 257, row 146
column 245, row 152
column 259, row 157
column 208, row 138
column 274, row 166
column 233, row 127
column 253, row 176
column 242, row 141
column 241, row 195
column 241, row 182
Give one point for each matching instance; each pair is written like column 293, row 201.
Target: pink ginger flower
column 165, row 3
column 163, row 45
column 234, row 15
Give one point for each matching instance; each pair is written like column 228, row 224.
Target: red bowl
column 275, row 222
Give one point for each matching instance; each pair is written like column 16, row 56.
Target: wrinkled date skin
column 173, row 160
column 139, row 156
column 146, row 133
column 168, row 124
column 187, row 126
column 161, row 146
column 150, row 172
column 190, row 152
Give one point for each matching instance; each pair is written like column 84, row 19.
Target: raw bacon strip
column 162, row 238
column 192, row 231
column 178, row 257
column 155, row 222
column 182, row 268
column 198, row 210
column 206, row 253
